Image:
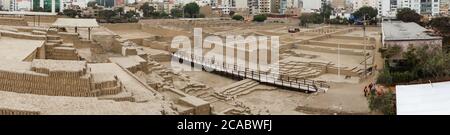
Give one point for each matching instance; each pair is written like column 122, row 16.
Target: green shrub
column 238, row 17
column 260, row 18
column 385, row 77
column 384, row 103
column 403, row 77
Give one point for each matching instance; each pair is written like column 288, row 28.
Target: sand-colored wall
column 23, row 35
column 344, row 71
column 44, row 85
column 56, row 83
column 4, row 111
column 122, row 26
column 342, row 45
column 68, row 37
column 331, row 50
column 42, row 19
column 13, row 21
column 106, row 41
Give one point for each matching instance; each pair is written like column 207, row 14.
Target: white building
column 264, row 6
column 259, row 6
column 289, row 7
column 339, row 4
column 389, row 8
column 357, row 4
column 444, row 7
column 423, row 99
column 24, row 5
column 80, row 3
column 8, row 5
column 312, row 4
column 202, row 3
column 253, row 8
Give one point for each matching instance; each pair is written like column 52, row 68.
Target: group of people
column 372, row 88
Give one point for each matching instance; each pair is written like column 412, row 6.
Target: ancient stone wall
column 58, row 78
column 32, row 56
column 105, row 40
column 42, row 19
column 13, row 21
column 5, row 111
column 45, row 84
column 63, row 53
column 22, row 35
column 69, row 37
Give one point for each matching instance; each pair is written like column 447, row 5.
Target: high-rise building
column 48, row 5
column 106, row 3
column 264, row 6
column 253, row 7
column 312, row 5
column 357, row 4
column 23, row 5
column 423, row 7
column 444, row 7
column 289, row 7
column 275, row 6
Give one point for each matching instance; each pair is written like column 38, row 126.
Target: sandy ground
column 342, row 97
column 337, row 78
column 133, row 34
column 360, row 33
column 278, row 102
column 214, row 80
column 17, row 49
column 343, row 60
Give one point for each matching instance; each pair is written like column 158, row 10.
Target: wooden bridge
column 269, row 78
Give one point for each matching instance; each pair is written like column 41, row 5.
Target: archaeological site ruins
column 77, row 66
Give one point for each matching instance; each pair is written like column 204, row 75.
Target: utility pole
column 339, row 60
column 365, row 55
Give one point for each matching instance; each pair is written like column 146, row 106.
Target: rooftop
column 423, row 99
column 72, row 22
column 14, row 49
column 397, row 30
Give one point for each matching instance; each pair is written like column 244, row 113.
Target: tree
column 159, row 14
column 390, row 51
column 147, row 9
column 238, row 17
column 370, row 13
column 70, row 13
column 192, row 9
column 326, row 11
column 408, row 15
column 176, row 12
column 106, row 14
column 92, row 4
column 259, row 18
column 131, row 14
column 441, row 24
column 385, row 77
column 119, row 11
column 306, row 18
column 384, row 103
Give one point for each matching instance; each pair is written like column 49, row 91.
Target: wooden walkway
column 296, row 84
